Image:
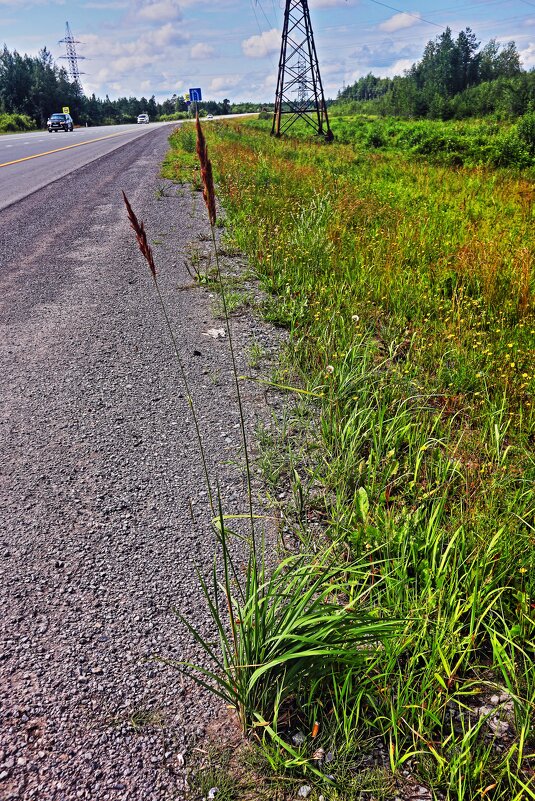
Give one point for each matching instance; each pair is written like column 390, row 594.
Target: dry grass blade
column 141, row 236
column 206, row 173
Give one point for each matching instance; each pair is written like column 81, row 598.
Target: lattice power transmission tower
column 299, row 88
column 71, row 56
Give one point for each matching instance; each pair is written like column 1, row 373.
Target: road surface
column 30, row 161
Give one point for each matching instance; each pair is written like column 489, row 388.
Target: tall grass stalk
column 209, row 196
column 146, row 251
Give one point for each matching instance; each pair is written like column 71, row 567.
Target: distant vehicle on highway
column 143, row 118
column 60, row 122
column 210, row 117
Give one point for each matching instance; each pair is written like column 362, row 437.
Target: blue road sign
column 195, row 95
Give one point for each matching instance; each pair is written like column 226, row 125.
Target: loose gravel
column 104, row 506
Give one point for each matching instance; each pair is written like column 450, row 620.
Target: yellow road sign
column 66, row 110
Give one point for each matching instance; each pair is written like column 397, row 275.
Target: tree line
column 455, row 78
column 35, row 86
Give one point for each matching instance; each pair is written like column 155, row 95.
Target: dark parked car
column 60, row 122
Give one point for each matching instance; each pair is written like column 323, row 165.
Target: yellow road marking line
column 67, row 147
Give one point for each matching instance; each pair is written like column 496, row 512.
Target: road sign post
column 195, row 95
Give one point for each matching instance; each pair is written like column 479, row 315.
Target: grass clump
column 293, row 630
column 408, row 291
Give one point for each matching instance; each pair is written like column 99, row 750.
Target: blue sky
column 230, row 48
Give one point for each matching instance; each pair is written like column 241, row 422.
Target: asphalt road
column 104, row 515
column 31, row 161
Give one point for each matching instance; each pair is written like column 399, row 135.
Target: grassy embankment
column 408, row 292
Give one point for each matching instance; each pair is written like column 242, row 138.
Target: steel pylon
column 72, row 57
column 299, row 87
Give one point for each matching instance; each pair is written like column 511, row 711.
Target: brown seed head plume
column 141, row 236
column 207, row 177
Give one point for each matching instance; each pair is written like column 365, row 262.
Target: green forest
column 33, row 87
column 455, row 79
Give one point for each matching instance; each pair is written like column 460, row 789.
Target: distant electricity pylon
column 299, row 88
column 70, row 45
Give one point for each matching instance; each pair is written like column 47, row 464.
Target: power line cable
column 269, row 22
column 346, row 26
column 407, row 13
column 260, row 29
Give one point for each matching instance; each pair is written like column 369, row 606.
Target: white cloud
column 152, row 44
column 270, row 82
column 263, row 45
column 400, row 21
column 161, row 11
column 330, row 3
column 527, row 56
column 112, row 5
column 197, row 3
column 383, row 54
column 332, row 68
column 24, row 5
column 202, row 51
column 397, row 68
column 224, row 82
column 166, row 35
column 136, row 64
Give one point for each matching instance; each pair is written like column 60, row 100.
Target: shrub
column 375, row 137
column 16, row 122
column 176, row 115
column 526, row 131
column 510, row 151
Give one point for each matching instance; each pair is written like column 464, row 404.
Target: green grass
column 471, row 143
column 407, row 288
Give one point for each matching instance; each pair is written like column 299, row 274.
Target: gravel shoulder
column 104, row 513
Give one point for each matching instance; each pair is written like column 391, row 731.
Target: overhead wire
column 407, row 13
column 436, row 11
column 257, row 2
column 269, row 22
